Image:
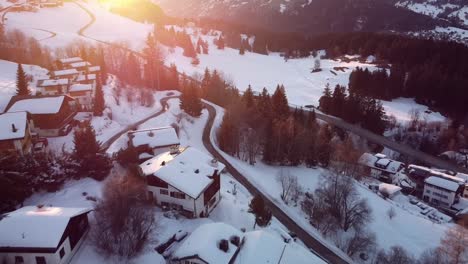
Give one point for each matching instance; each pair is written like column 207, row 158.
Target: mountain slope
column 307, row 16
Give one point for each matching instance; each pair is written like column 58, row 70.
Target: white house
column 442, row 191
column 389, row 190
column 380, row 166
column 65, row 74
column 15, row 133
column 84, row 95
column 65, row 62
column 188, row 181
column 154, row 141
column 220, row 243
column 42, row 235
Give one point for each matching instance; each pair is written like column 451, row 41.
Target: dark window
column 178, row 195
column 19, row 259
column 165, row 192
column 40, row 260
column 62, row 252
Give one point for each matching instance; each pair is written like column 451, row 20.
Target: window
column 62, row 252
column 212, row 201
column 40, row 260
column 19, row 259
column 165, row 192
column 178, row 195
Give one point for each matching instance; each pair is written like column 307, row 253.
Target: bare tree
column 396, row 255
column 431, row 256
column 290, row 189
column 124, row 221
column 454, row 245
column 360, row 242
column 318, row 215
column 415, row 116
column 391, row 213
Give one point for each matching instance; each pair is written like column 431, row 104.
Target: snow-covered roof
column 71, row 60
column 41, row 105
column 155, row 137
column 94, row 68
column 80, row 87
column 19, row 119
column 65, row 72
column 443, row 183
column 261, row 247
column 380, row 162
column 389, row 189
column 82, row 77
column 79, row 64
column 49, row 82
column 34, row 227
column 204, row 241
column 189, row 172
column 462, row 176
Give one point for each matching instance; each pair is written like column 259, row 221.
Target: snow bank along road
column 401, row 148
column 322, row 250
column 135, row 125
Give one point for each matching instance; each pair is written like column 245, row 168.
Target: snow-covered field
column 8, row 79
column 70, row 18
column 408, row 229
column 302, row 87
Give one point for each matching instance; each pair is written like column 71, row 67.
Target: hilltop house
column 443, row 191
column 84, row 95
column 188, row 181
column 15, row 133
column 42, row 235
column 70, row 74
column 65, row 62
column 219, row 243
column 52, row 87
column 154, row 141
column 381, row 167
column 51, row 114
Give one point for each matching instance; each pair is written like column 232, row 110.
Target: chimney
column 13, row 128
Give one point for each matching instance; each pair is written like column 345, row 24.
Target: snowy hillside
column 302, row 87
column 103, row 25
column 456, row 10
column 8, row 79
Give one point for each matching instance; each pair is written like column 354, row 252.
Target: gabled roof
column 443, row 183
column 37, row 104
column 52, row 82
column 70, row 60
column 65, row 72
column 82, row 77
column 18, row 119
column 154, row 137
column 203, row 243
column 31, row 227
column 386, row 164
column 80, row 87
column 189, row 172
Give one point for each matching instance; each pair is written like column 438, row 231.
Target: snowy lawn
column 408, row 229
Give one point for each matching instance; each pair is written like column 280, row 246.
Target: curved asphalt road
column 320, row 249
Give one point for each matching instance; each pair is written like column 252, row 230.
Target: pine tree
column 102, row 64
column 89, row 158
column 220, row 42
column 21, row 82
column 264, row 104
column 99, row 103
column 280, row 102
column 248, row 97
column 326, row 100
column 259, row 209
column 242, row 47
column 190, row 100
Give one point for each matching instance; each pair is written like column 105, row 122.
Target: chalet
column 380, row 166
column 52, row 87
column 464, row 177
column 443, row 191
column 219, row 243
column 42, row 235
column 81, row 66
column 65, row 62
column 65, row 74
column 154, row 141
column 51, row 114
column 188, row 181
column 83, row 93
column 15, row 133
column 94, row 69
column 87, row 79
